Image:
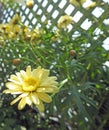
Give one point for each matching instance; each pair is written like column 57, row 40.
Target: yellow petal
column 13, row 86
column 48, row 81
column 45, row 97
column 52, row 89
column 14, row 79
column 35, row 98
column 24, row 94
column 28, row 71
column 28, row 100
column 7, row 91
column 23, row 74
column 19, row 77
column 40, row 73
column 12, row 91
column 45, row 74
column 40, row 107
column 15, row 100
column 22, row 103
column 16, row 92
column 37, row 73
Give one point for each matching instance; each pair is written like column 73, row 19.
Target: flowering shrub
column 56, row 75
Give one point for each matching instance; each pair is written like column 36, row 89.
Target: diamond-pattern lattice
column 52, row 10
column 44, row 10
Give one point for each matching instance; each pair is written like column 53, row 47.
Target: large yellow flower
column 32, row 87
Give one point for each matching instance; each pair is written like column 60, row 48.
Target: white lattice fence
column 53, row 9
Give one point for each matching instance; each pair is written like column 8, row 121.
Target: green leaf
column 88, row 100
column 81, row 108
column 87, row 85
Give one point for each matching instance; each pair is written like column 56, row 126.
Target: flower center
column 30, row 84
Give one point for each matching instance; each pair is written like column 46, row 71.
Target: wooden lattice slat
column 52, row 10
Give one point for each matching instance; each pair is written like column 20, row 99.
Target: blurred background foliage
column 77, row 57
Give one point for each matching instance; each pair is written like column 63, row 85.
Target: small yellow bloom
column 32, row 87
column 15, row 20
column 5, row 28
column 56, row 36
column 64, row 21
column 17, row 29
column 35, row 34
column 30, row 3
column 92, row 5
column 11, row 35
column 26, row 30
column 77, row 2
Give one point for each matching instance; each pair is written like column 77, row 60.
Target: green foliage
column 82, row 76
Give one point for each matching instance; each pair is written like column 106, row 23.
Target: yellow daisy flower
column 15, row 20
column 5, row 28
column 30, row 3
column 77, row 2
column 17, row 29
column 64, row 21
column 32, row 87
column 92, row 5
